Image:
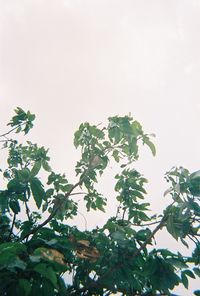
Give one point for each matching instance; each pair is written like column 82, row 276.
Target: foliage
column 37, row 245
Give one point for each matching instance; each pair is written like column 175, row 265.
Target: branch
column 55, row 209
column 12, row 226
column 147, row 224
column 77, row 193
column 158, row 227
column 84, row 219
column 27, row 211
column 10, row 131
column 117, row 266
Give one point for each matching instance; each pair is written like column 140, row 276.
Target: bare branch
column 10, row 131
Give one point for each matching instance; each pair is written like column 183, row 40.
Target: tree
column 37, row 245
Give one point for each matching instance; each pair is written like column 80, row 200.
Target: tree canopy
column 38, row 247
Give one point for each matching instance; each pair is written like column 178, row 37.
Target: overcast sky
column 70, row 61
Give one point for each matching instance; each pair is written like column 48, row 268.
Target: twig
column 27, row 211
column 147, row 224
column 12, row 227
column 10, row 131
column 83, row 193
column 84, row 219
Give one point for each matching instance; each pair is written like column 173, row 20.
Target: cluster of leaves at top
column 37, row 246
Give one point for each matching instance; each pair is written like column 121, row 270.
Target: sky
column 71, row 61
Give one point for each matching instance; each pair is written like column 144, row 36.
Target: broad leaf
column 37, row 191
column 47, row 271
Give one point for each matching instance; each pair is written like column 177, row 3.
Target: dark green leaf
column 184, row 280
column 196, row 271
column 189, row 273
column 37, row 191
column 15, row 207
column 171, row 227
column 47, row 272
column 24, row 287
column 36, row 168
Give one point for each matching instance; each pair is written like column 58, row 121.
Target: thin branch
column 10, row 131
column 83, row 193
column 192, row 239
column 84, row 219
column 27, row 211
column 12, row 227
column 124, row 212
column 147, row 224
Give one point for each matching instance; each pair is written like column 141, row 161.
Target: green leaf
column 46, row 166
column 171, row 227
column 179, row 264
column 49, row 193
column 37, row 191
column 15, row 186
column 13, row 247
column 24, row 287
column 196, row 271
column 143, row 234
column 184, row 280
column 115, row 154
column 150, row 145
column 189, row 273
column 17, row 263
column 9, row 258
column 197, row 292
column 118, row 235
column 36, row 168
column 138, row 194
column 15, row 207
column 47, row 272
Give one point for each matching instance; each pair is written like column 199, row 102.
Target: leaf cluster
column 40, row 250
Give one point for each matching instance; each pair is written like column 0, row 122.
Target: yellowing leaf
column 53, row 255
column 84, row 251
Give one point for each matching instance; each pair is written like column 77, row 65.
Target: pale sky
column 70, row 61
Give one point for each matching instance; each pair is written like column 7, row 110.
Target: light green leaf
column 150, row 145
